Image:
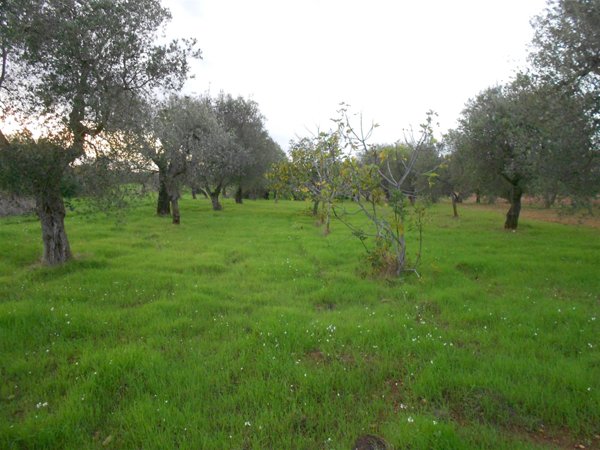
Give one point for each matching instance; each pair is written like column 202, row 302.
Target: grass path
column 248, row 328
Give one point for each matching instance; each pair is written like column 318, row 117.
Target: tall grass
column 247, row 328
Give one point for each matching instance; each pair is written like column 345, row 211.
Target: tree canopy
column 82, row 65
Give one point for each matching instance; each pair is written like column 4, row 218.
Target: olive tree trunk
column 50, row 209
column 163, row 205
column 454, row 202
column 512, row 217
column 216, row 204
column 238, row 195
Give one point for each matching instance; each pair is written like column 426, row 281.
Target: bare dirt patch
column 316, row 356
column 557, row 439
column 532, row 211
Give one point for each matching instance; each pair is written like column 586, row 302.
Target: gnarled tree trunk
column 512, row 217
column 214, row 198
column 50, row 209
column 163, row 207
column 455, row 198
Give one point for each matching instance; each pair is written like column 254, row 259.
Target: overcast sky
column 390, row 60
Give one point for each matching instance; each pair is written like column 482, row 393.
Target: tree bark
column 175, row 209
column 315, row 209
column 214, row 198
column 163, row 207
column 401, row 254
column 455, row 198
column 512, row 217
column 51, row 212
column 238, row 195
column 194, row 193
column 477, row 197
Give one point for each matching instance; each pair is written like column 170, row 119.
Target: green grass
column 248, row 328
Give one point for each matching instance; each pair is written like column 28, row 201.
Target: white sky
column 390, row 60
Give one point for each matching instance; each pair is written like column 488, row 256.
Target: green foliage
column 567, row 43
column 382, row 184
column 85, row 62
column 421, row 181
column 84, row 67
column 243, row 119
column 279, row 179
column 33, row 167
column 313, row 171
column 527, row 134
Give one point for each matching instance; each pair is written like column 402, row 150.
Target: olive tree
column 216, row 157
column 314, row 170
column 525, row 137
column 243, row 120
column 566, row 44
column 179, row 127
column 85, row 64
column 566, row 56
column 39, row 168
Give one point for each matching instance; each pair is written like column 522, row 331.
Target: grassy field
column 248, row 328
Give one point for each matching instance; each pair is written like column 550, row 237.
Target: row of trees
column 94, row 72
column 208, row 144
column 109, row 92
column 539, row 134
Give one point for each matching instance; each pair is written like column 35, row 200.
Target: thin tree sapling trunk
column 401, row 254
column 315, row 209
